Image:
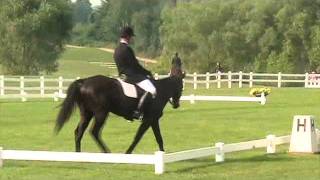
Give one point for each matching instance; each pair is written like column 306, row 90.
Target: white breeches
column 147, row 86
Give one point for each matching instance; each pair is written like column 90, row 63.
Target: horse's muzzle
column 175, row 106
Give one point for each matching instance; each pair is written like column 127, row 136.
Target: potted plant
column 257, row 92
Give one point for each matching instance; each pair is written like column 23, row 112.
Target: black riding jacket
column 176, row 62
column 128, row 65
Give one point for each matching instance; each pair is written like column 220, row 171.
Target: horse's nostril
column 175, row 106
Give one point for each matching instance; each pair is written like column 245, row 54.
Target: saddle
column 129, row 90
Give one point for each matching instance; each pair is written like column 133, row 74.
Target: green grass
column 29, row 126
column 86, row 54
column 75, row 62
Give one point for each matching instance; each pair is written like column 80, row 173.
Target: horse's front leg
column 142, row 129
column 157, row 133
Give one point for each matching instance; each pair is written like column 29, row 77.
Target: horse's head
column 178, row 87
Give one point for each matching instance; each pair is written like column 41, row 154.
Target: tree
column 81, row 11
column 314, row 51
column 246, row 35
column 32, row 34
column 143, row 15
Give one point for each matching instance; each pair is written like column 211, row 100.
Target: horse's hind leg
column 82, row 126
column 96, row 131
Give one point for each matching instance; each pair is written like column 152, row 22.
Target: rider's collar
column 123, row 40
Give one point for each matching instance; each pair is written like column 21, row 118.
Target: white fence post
column 41, row 85
column 60, row 85
column 219, row 153
column 207, row 80
column 1, row 158
column 279, row 79
column 56, row 96
column 306, row 80
column 195, row 85
column 219, row 79
column 192, row 99
column 263, row 99
column 22, row 93
column 229, row 79
column 21, row 85
column 1, row 85
column 240, row 79
column 250, row 79
column 183, row 84
column 159, row 162
column 271, row 145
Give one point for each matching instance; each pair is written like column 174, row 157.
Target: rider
column 176, row 61
column 129, row 67
column 176, row 64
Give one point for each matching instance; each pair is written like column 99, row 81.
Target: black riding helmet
column 126, row 31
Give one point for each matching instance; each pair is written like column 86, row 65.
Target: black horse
column 98, row 95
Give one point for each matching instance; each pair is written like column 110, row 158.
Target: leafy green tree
column 32, row 34
column 81, row 11
column 247, row 35
column 143, row 15
column 314, row 51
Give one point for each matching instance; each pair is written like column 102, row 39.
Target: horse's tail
column 69, row 104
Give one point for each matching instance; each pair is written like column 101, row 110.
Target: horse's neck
column 164, row 87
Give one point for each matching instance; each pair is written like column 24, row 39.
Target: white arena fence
column 158, row 159
column 240, row 79
column 192, row 98
column 24, row 87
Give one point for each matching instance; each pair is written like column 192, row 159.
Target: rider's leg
column 137, row 114
column 149, row 88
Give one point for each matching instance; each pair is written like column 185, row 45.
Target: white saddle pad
column 128, row 89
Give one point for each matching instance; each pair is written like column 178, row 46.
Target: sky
column 93, row 2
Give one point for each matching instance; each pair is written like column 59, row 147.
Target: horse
column 99, row 95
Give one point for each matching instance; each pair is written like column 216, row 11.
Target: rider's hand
column 150, row 76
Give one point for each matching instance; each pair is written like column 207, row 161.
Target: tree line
column 247, row 35
column 241, row 35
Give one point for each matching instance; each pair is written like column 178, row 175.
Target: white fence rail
column 192, row 98
column 239, row 79
column 158, row 159
column 24, row 87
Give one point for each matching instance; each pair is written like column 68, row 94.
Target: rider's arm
column 137, row 66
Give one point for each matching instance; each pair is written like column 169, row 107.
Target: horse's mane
column 163, row 81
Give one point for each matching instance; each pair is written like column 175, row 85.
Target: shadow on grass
column 74, row 166
column 207, row 109
column 205, row 163
column 44, row 164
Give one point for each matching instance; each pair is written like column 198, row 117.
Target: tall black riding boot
column 137, row 114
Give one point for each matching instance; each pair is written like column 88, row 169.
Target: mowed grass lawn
column 75, row 62
column 30, row 126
